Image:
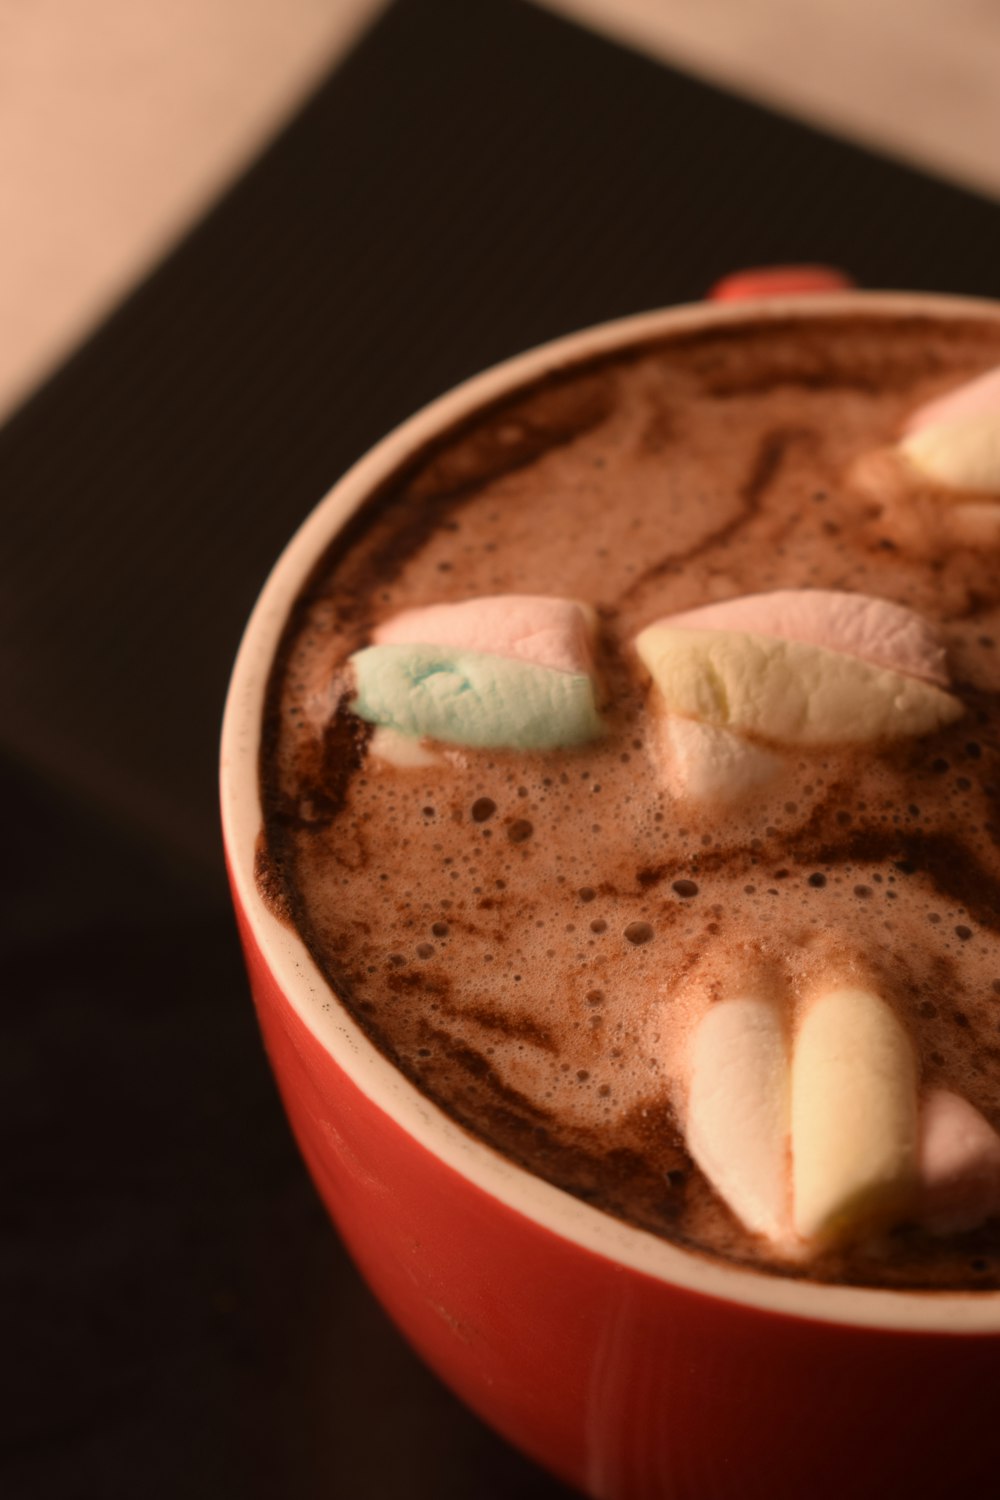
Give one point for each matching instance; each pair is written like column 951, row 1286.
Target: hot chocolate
column 534, row 924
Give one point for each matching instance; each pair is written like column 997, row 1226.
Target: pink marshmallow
column 958, row 1164
column 969, row 400
column 884, row 634
column 549, row 632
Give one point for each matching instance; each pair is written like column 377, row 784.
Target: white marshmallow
column 976, row 396
column 959, row 1164
column 961, row 454
column 954, row 440
column 711, row 764
column 401, row 750
column 854, row 1117
column 737, row 1110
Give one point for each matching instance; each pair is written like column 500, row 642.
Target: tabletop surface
column 120, row 123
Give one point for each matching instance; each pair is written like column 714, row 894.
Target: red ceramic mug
column 632, row 1368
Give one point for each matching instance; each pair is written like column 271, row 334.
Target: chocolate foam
column 531, row 937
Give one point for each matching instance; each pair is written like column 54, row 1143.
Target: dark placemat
column 180, row 1321
column 475, row 178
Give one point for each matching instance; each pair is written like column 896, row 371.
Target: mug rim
column 311, row 996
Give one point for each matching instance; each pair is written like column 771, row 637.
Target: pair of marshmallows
column 799, row 668
column 790, row 668
column 820, row 1138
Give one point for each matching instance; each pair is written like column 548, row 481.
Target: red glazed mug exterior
column 633, row 1369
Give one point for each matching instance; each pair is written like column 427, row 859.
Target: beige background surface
column 121, row 119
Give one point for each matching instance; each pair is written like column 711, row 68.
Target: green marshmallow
column 473, row 698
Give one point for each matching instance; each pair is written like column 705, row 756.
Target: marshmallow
column 553, row 633
column 401, row 750
column 974, row 398
column 711, row 764
column 875, row 630
column 959, row 455
column 737, row 1110
column 845, row 1111
column 473, row 699
column 954, row 440
column 958, row 1164
column 854, row 1117
column 507, row 672
column 787, row 691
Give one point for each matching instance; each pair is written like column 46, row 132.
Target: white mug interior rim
column 307, row 990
